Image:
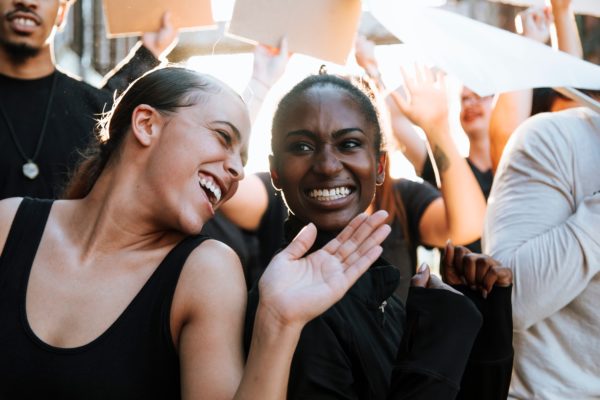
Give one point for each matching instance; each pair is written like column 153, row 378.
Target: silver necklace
column 30, row 168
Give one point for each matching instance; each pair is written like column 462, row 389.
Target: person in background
column 542, row 222
column 46, row 116
column 512, row 108
column 461, row 193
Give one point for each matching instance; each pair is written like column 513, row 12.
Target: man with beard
column 45, row 115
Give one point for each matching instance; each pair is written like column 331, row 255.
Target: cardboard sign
column 584, row 7
column 486, row 59
column 320, row 28
column 133, row 17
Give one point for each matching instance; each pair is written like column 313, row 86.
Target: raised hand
column 534, row 23
column 425, row 101
column 161, row 42
column 296, row 289
column 478, row 271
column 364, row 52
column 270, row 63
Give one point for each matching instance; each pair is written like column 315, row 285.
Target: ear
column 61, row 16
column 145, row 124
column 381, row 162
column 274, row 173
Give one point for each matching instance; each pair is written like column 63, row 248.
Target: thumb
column 301, row 243
column 421, row 278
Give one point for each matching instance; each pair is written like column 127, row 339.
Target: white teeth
column 25, row 21
column 329, row 194
column 212, row 186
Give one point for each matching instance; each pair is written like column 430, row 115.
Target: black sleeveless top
column 133, row 359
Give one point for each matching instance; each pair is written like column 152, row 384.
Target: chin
column 20, row 51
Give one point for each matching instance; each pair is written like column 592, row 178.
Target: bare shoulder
column 8, row 209
column 212, row 276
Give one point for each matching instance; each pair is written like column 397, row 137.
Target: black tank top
column 133, row 359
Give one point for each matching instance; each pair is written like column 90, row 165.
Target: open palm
column 297, row 289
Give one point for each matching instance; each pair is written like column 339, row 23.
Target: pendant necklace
column 30, row 168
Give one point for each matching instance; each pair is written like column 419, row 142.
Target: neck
column 33, row 67
column 110, row 219
column 479, row 153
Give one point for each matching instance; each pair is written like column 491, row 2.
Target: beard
column 19, row 52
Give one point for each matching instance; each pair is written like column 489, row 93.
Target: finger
column 488, row 282
column 165, row 21
column 418, row 75
column 505, row 276
column 428, row 75
column 333, row 245
column 459, row 253
column 354, row 271
column 409, row 83
column 483, row 264
column 301, row 243
column 447, row 257
column 373, row 240
column 283, row 47
column 421, row 278
column 400, row 101
column 363, row 233
column 469, row 266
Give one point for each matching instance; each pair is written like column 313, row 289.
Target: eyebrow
column 235, row 130
column 312, row 135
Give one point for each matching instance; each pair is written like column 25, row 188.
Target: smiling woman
column 108, row 294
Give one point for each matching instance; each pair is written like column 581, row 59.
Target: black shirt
column 72, row 118
column 133, row 359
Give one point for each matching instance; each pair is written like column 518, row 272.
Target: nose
column 326, row 162
column 27, row 3
column 235, row 167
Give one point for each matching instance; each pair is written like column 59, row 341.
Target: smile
column 25, row 21
column 329, row 194
column 212, row 189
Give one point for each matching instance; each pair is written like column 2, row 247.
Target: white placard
column 486, row 59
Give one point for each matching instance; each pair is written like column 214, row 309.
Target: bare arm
column 269, row 66
column 403, row 134
column 459, row 213
column 247, row 207
column 567, row 35
column 293, row 290
column 511, row 109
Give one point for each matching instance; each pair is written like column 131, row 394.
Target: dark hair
column 363, row 97
column 165, row 89
column 386, row 197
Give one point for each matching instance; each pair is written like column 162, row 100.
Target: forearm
column 509, row 111
column 268, row 366
column 551, row 265
column 412, row 145
column 254, row 95
column 464, row 201
column 567, row 35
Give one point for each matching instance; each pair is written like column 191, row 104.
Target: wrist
column 272, row 325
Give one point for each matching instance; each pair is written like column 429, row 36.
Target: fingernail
column 422, row 268
column 484, row 293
